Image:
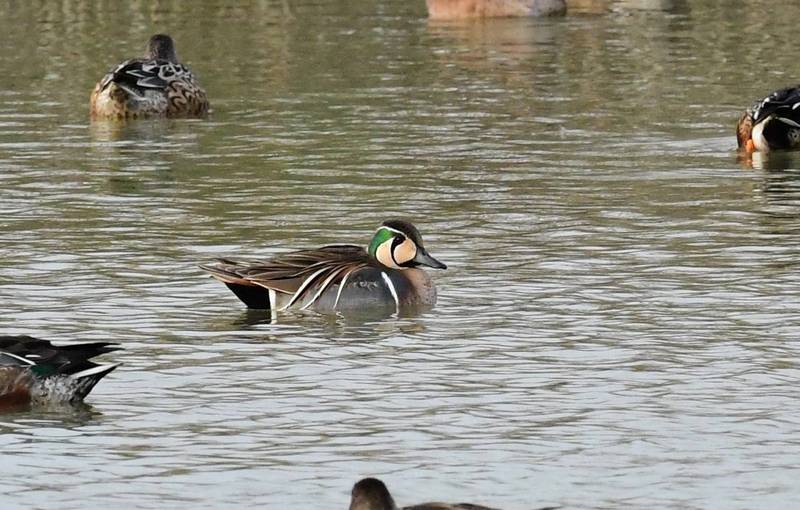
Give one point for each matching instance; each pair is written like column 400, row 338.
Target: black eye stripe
column 396, row 241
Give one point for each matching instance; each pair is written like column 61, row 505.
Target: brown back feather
column 303, row 270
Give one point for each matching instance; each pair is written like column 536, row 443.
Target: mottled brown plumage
column 156, row 85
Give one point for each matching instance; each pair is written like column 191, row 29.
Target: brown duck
column 156, row 85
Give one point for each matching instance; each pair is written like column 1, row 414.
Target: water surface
column 618, row 327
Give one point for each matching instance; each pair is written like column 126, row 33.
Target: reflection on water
column 617, row 327
column 56, row 415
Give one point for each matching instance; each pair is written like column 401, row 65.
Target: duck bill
column 424, row 259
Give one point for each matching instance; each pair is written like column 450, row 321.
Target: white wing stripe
column 303, row 287
column 96, row 370
column 341, row 287
column 18, row 358
column 391, row 290
column 322, row 287
column 788, row 121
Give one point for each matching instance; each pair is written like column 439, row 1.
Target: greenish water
column 618, row 325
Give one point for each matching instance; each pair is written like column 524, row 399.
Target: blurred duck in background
column 465, row 9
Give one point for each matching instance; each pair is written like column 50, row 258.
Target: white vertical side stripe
column 341, row 287
column 391, row 290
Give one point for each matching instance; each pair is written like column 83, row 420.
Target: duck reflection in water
column 466, row 9
column 38, row 373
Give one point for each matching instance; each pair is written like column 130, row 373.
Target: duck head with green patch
column 397, row 244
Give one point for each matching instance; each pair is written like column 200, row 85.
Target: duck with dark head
column 771, row 123
column 372, row 494
column 466, row 9
column 339, row 277
column 38, row 372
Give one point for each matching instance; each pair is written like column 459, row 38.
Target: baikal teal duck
column 387, row 275
column 156, row 85
column 36, row 372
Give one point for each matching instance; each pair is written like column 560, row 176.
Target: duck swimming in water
column 387, row 274
column 156, row 85
column 36, row 372
column 372, row 494
column 771, row 123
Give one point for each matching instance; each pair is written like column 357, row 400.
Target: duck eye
column 397, row 241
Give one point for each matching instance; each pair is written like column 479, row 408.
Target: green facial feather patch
column 381, row 236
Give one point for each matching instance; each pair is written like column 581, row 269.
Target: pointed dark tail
column 87, row 379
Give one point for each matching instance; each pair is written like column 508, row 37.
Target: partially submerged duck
column 372, row 494
column 771, row 123
column 36, row 372
column 465, row 9
column 157, row 85
column 338, row 277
